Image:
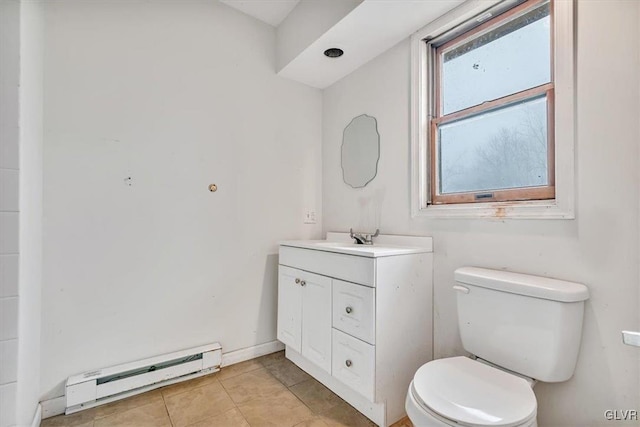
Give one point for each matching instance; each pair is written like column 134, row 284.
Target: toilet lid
column 473, row 393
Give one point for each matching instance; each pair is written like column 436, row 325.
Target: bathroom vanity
column 358, row 318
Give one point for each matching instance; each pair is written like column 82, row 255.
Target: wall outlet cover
column 310, row 217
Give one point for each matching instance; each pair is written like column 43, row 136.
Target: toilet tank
column 528, row 324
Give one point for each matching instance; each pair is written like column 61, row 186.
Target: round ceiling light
column 334, row 52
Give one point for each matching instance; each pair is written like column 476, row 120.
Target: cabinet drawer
column 353, row 363
column 354, row 310
column 353, row 268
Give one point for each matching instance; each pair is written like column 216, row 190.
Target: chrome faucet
column 363, row 238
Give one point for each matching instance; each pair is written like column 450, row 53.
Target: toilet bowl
column 518, row 327
column 459, row 391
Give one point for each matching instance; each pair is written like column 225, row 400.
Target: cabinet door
column 316, row 320
column 290, row 307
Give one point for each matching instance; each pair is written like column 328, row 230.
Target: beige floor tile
column 272, row 358
column 405, row 422
column 178, row 388
column 239, row 368
column 252, row 385
column 313, row 422
column 198, row 404
column 344, row 415
column 287, row 372
column 151, row 415
column 79, row 419
column 315, row 395
column 282, row 409
column 257, row 387
column 143, row 399
column 231, row 418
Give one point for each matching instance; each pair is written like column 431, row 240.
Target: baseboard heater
column 117, row 382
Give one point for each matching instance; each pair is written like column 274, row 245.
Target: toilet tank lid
column 523, row 284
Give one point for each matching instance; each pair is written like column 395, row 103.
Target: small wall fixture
column 334, row 52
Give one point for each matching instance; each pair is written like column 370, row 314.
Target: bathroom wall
column 598, row 248
column 146, row 104
column 9, row 207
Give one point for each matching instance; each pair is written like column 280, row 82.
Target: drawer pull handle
column 302, row 283
column 297, row 281
column 348, row 310
column 348, row 363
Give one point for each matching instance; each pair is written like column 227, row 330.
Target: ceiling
column 364, row 33
column 270, row 11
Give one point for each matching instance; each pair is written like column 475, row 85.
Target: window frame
column 507, row 203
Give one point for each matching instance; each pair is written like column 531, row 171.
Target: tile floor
column 268, row 391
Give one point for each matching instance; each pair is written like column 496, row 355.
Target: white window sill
column 542, row 209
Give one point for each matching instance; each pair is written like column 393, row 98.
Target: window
column 487, row 109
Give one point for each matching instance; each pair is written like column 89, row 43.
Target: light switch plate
column 309, row 216
column 631, row 338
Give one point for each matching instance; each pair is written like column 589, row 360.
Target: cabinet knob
column 348, row 363
column 302, row 283
column 297, row 281
column 348, row 310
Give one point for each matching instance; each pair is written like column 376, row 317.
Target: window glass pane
column 499, row 149
column 510, row 58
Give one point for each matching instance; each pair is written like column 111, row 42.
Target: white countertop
column 370, row 251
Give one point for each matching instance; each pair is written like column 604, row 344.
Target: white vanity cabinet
column 304, row 320
column 358, row 318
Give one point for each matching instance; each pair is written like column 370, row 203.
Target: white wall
column 31, row 93
column 599, row 248
column 9, row 206
column 175, row 95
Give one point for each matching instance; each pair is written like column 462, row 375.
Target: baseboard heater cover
column 105, row 385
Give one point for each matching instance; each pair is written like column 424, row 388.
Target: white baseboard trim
column 57, row 405
column 237, row 356
column 53, row 407
column 37, row 417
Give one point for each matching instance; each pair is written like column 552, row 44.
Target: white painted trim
column 53, row 407
column 563, row 207
column 534, row 209
column 37, row 417
column 237, row 356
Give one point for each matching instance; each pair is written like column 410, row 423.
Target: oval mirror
column 360, row 151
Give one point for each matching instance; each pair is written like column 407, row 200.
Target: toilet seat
column 471, row 393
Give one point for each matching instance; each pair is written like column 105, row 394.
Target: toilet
column 520, row 329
